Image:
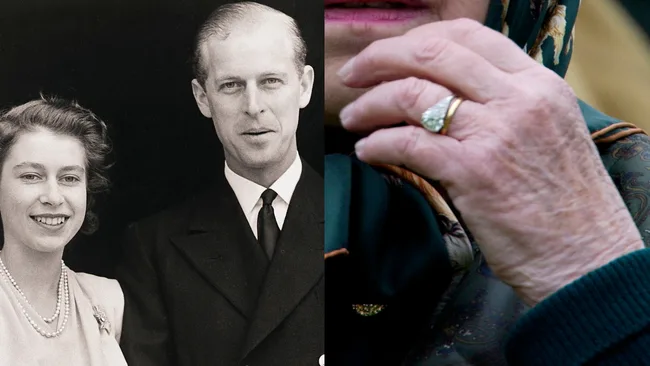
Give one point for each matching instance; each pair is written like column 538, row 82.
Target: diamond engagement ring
column 437, row 118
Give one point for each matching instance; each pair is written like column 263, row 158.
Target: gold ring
column 451, row 111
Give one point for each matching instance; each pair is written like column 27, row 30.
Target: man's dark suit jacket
column 199, row 289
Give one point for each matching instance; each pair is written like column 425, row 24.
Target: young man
column 235, row 275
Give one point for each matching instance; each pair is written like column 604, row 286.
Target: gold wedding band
column 451, row 111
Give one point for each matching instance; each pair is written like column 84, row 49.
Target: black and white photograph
column 161, row 183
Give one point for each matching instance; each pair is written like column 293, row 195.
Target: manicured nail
column 358, row 147
column 346, row 70
column 346, row 114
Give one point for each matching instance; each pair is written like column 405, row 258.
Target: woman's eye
column 71, row 179
column 29, row 177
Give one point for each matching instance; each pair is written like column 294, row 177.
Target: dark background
column 129, row 62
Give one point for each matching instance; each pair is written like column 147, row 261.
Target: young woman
column 52, row 160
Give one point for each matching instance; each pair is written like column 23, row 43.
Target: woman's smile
column 50, row 221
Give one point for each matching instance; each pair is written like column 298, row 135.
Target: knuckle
column 539, row 106
column 467, row 25
column 563, row 89
column 411, row 93
column 412, row 144
column 542, row 99
column 431, row 50
column 466, row 28
column 472, row 33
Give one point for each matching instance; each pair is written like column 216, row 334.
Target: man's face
column 253, row 93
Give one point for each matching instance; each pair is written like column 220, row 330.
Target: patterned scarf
column 542, row 28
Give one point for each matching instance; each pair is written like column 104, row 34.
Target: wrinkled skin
column 518, row 160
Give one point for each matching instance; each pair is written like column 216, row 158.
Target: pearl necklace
column 57, row 311
column 62, row 290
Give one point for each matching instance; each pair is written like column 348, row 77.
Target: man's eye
column 30, row 177
column 229, row 86
column 272, row 81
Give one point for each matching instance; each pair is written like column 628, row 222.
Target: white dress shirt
column 249, row 194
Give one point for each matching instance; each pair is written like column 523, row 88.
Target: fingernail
column 358, row 147
column 346, row 114
column 346, row 70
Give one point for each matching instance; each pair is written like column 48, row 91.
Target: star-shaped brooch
column 102, row 319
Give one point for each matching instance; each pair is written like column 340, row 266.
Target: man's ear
column 201, row 98
column 306, row 85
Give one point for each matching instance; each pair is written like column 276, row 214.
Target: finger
column 430, row 155
column 436, row 59
column 496, row 48
column 402, row 101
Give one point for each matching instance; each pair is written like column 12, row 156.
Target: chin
column 259, row 161
column 48, row 246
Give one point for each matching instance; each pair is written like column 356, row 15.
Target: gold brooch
column 102, row 319
column 368, row 309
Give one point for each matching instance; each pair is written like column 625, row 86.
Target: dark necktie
column 267, row 227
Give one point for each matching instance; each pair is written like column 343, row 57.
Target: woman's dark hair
column 68, row 118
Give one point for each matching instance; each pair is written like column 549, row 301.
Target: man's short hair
column 221, row 20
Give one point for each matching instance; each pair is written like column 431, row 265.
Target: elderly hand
column 517, row 161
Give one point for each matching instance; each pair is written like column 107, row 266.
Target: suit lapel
column 221, row 247
column 297, row 264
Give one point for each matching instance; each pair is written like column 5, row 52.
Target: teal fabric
column 601, row 319
column 395, row 259
column 337, row 195
column 366, row 216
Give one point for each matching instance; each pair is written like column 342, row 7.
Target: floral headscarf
column 542, row 28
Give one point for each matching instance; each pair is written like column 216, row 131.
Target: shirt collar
column 248, row 192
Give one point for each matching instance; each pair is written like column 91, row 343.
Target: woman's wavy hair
column 67, row 118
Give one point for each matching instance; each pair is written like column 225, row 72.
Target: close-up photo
column 478, row 211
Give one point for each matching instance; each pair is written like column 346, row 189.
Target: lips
column 256, row 132
column 374, row 4
column 374, row 11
